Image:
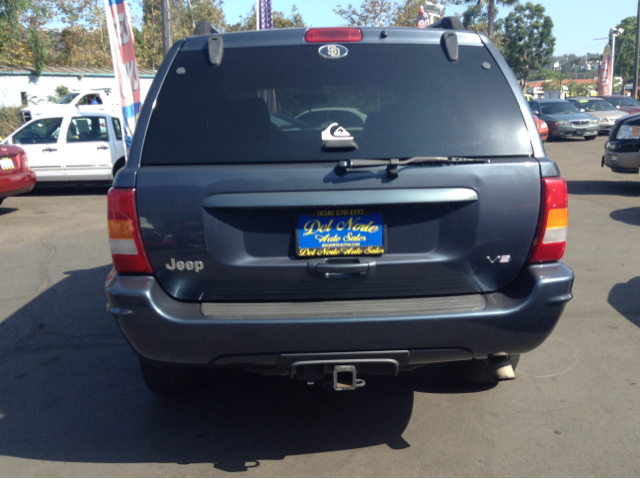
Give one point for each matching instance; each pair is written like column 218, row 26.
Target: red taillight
column 551, row 236
column 125, row 239
column 24, row 161
column 324, row 35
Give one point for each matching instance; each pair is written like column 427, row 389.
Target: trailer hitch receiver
column 345, row 378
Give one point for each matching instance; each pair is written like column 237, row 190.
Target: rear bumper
column 625, row 162
column 515, row 320
column 571, row 130
column 605, row 126
column 17, row 183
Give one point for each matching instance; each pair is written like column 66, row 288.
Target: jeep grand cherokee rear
column 414, row 218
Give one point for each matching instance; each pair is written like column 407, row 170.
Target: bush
column 60, row 92
column 9, row 119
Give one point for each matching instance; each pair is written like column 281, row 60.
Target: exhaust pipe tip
column 503, row 370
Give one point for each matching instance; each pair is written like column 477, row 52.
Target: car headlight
column 563, row 123
column 595, row 122
column 603, row 120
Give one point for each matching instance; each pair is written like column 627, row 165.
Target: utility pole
column 167, row 37
column 635, row 67
column 614, row 32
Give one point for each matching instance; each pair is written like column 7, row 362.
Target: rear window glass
column 91, row 128
column 557, row 108
column 596, row 105
column 628, row 101
column 117, row 128
column 272, row 104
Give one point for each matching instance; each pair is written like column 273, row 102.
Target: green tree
column 585, row 89
column 9, row 120
column 59, row 93
column 625, row 51
column 185, row 14
column 23, row 39
column 555, row 82
column 10, row 27
column 528, row 39
column 581, row 89
column 372, row 13
column 482, row 13
column 476, row 19
column 84, row 39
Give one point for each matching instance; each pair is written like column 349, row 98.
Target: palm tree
column 491, row 7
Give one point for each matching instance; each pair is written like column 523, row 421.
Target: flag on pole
column 125, row 65
column 422, row 20
column 604, row 87
column 264, row 21
column 264, row 11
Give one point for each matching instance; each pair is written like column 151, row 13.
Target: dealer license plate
column 6, row 164
column 580, row 132
column 340, row 232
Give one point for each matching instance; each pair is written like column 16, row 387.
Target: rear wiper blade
column 392, row 164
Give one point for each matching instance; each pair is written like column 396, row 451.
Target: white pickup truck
column 95, row 100
column 72, row 147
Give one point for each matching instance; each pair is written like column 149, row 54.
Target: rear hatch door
column 240, row 200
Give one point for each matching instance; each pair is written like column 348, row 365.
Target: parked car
column 543, row 128
column 15, row 175
column 623, row 103
column 605, row 112
column 94, row 100
column 74, row 147
column 565, row 120
column 622, row 150
column 424, row 236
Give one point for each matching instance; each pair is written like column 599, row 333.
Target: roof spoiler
column 204, row 27
column 448, row 23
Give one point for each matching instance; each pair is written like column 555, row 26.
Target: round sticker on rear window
column 333, row 51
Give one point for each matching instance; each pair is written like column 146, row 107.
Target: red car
column 623, row 103
column 543, row 128
column 15, row 175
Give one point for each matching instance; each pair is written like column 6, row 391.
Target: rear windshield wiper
column 392, row 163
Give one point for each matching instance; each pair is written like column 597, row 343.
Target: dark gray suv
column 418, row 221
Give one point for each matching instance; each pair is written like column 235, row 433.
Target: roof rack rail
column 204, row 27
column 448, row 23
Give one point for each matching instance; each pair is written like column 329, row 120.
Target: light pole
column 167, row 37
column 433, row 9
column 614, row 32
column 635, row 60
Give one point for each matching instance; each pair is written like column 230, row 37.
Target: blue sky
column 576, row 22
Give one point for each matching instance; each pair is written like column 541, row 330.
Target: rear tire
column 480, row 371
column 588, row 138
column 1, row 200
column 172, row 380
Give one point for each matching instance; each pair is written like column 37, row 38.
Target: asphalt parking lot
column 72, row 401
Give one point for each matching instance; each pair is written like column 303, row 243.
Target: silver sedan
column 605, row 112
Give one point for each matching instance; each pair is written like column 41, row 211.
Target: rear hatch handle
column 336, row 268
